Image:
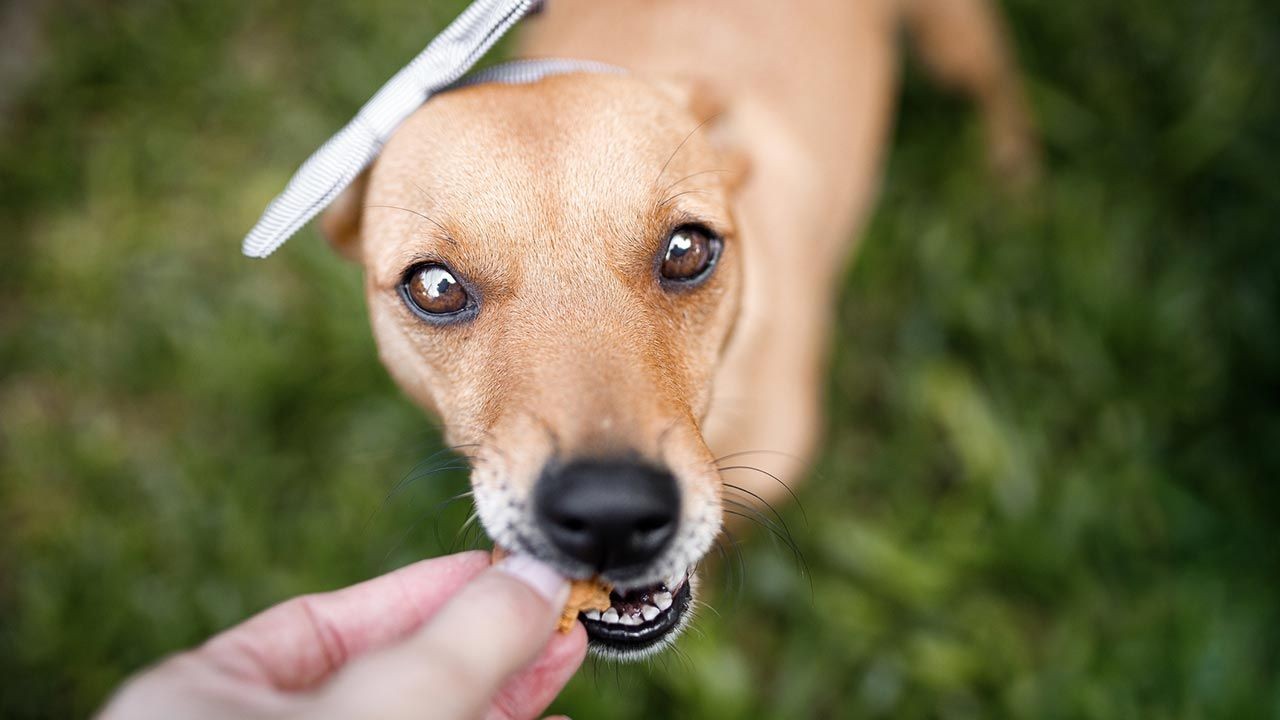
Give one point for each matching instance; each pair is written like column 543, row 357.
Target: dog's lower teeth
column 638, row 606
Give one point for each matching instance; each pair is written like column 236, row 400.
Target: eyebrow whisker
column 682, row 142
column 424, row 216
column 692, row 175
column 686, row 192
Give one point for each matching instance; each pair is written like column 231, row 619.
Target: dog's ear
column 341, row 222
column 709, row 107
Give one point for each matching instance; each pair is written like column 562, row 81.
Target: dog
column 608, row 285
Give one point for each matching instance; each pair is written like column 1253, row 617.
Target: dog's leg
column 964, row 45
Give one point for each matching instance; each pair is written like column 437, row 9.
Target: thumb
column 459, row 659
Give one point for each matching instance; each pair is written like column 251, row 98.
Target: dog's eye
column 434, row 290
column 691, row 251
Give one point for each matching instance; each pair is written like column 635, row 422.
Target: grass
column 1048, row 488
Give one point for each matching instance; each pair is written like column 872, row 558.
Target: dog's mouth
column 640, row 620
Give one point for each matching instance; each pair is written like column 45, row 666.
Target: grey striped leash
column 438, row 68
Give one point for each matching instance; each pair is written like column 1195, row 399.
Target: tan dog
column 603, row 283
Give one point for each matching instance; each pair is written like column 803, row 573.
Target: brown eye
column 690, row 253
column 432, row 289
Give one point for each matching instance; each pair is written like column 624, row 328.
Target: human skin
column 450, row 637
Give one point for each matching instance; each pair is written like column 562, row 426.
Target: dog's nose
column 613, row 515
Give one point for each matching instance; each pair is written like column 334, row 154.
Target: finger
column 453, row 666
column 300, row 642
column 531, row 690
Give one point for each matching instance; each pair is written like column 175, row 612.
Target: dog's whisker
column 741, row 453
column 699, row 126
column 781, row 532
column 453, row 545
column 487, row 442
column 663, row 660
column 412, row 477
column 443, row 230
column 748, row 512
column 735, row 569
column 433, row 512
column 724, row 557
column 792, row 544
column 762, row 501
column 697, row 630
column 684, row 192
column 802, row 564
column 683, row 658
column 746, row 502
column 456, row 449
column 742, row 562
column 468, row 523
column 691, row 176
column 776, row 479
column 408, row 480
column 477, row 537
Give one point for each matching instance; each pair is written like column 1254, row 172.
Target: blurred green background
column 1050, row 482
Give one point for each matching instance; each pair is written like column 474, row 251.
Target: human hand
column 442, row 638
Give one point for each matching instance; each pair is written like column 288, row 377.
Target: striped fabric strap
column 519, row 72
column 332, row 168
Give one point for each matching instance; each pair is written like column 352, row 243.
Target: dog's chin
column 641, row 621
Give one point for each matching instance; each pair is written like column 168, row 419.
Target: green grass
column 1049, row 482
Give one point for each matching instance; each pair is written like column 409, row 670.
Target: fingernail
column 546, row 582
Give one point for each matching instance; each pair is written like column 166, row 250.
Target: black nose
column 613, row 515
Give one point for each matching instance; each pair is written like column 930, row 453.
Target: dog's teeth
column 592, row 614
column 649, row 612
column 629, row 619
column 610, row 616
column 663, row 600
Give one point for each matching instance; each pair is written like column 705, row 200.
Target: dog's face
column 551, row 268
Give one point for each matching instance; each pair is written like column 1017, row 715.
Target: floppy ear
column 341, row 221
column 708, row 106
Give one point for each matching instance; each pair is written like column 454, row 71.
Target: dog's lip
column 644, row 633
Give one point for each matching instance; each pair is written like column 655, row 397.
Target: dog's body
column 577, row 367
column 806, row 95
column 809, row 89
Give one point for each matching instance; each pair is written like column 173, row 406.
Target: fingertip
column 540, row 577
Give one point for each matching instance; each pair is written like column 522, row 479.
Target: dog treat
column 590, row 594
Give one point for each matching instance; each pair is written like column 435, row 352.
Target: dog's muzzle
column 616, row 518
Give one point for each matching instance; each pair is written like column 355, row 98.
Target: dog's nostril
column 612, row 515
column 652, row 523
column 572, row 524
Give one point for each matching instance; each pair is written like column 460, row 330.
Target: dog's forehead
column 566, row 154
column 569, row 129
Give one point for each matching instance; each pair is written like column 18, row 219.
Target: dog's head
column 551, row 268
